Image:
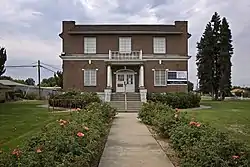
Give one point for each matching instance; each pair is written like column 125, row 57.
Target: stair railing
column 125, row 96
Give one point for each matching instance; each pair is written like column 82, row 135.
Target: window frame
column 88, row 45
column 89, row 81
column 125, row 46
column 164, row 71
column 177, row 79
column 157, row 45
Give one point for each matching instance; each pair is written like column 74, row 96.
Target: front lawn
column 231, row 116
column 19, row 120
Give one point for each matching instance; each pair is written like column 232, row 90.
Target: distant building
column 14, row 86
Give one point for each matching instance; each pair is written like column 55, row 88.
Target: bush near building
column 73, row 99
column 176, row 100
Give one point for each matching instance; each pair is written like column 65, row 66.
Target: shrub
column 148, row 111
column 77, row 141
column 73, row 99
column 197, row 144
column 176, row 100
column 31, row 96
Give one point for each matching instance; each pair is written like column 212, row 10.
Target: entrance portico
column 127, row 78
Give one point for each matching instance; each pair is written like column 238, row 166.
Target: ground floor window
column 177, row 78
column 160, row 77
column 90, row 77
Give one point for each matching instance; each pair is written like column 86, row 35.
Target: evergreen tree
column 204, row 60
column 226, row 51
column 215, row 21
column 3, row 58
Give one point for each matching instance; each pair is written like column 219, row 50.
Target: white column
column 108, row 76
column 141, row 82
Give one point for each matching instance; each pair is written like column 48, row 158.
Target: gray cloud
column 30, row 28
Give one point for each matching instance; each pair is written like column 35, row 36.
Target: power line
column 47, row 69
column 51, row 66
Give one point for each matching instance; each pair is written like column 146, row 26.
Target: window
column 160, row 77
column 177, row 77
column 159, row 45
column 90, row 45
column 125, row 44
column 89, row 77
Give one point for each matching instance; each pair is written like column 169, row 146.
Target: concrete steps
column 121, row 97
column 132, row 106
column 133, row 102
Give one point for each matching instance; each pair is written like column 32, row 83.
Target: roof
column 11, row 83
column 4, row 86
column 126, row 27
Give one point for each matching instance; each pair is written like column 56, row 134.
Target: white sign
column 182, row 74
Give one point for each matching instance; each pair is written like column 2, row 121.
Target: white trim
column 90, row 68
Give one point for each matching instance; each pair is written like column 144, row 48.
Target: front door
column 125, row 81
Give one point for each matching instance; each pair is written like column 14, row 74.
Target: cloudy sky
column 29, row 28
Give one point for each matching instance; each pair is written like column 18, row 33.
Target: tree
column 216, row 54
column 3, row 59
column 214, row 58
column 204, row 60
column 59, row 78
column 190, row 86
column 50, row 82
column 226, row 51
column 29, row 81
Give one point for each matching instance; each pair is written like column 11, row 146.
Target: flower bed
column 176, row 100
column 77, row 141
column 196, row 144
column 73, row 99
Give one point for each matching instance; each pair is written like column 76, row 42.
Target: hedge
column 73, row 99
column 176, row 100
column 197, row 144
column 77, row 141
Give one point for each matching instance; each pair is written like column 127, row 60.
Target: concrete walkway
column 130, row 144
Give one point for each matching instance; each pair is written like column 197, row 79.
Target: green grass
column 20, row 120
column 229, row 116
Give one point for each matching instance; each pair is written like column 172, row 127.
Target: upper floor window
column 90, row 45
column 159, row 45
column 125, row 44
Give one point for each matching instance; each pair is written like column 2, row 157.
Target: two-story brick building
column 125, row 58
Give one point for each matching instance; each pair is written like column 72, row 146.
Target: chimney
column 182, row 25
column 67, row 25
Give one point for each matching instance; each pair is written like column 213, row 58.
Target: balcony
column 125, row 56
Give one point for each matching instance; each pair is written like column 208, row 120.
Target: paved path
column 130, row 144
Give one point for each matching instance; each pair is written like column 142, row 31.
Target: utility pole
column 39, row 77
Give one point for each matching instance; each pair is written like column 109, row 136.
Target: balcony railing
column 123, row 56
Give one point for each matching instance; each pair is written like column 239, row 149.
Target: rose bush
column 76, row 141
column 196, row 143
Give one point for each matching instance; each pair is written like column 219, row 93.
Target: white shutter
column 160, row 77
column 159, row 45
column 89, row 77
column 90, row 45
column 125, row 44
